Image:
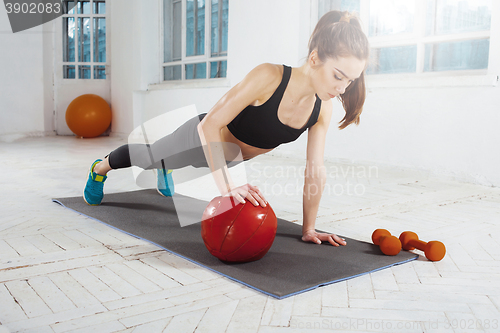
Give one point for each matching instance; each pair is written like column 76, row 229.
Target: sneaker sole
column 163, row 195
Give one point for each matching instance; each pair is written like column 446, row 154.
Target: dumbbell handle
column 434, row 250
column 416, row 243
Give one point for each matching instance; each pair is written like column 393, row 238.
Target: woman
column 271, row 106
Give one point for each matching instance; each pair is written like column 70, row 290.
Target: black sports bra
column 260, row 127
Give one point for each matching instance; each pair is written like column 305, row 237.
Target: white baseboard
column 11, row 137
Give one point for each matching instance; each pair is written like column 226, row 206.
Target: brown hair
column 339, row 34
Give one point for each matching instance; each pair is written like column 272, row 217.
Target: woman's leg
column 103, row 167
column 177, row 150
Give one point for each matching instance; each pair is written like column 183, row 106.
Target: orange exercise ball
column 88, row 116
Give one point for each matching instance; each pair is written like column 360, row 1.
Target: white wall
column 24, row 67
column 266, row 31
column 134, row 27
column 449, row 131
column 445, row 130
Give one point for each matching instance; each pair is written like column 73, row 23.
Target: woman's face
column 335, row 75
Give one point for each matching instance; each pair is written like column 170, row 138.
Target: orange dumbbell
column 389, row 245
column 433, row 250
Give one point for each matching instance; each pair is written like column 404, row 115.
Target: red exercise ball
column 88, row 116
column 236, row 232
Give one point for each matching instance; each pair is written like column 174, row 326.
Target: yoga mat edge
column 271, row 291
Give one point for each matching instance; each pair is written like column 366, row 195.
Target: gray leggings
column 177, row 150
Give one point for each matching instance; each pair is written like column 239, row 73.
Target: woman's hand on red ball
column 250, row 192
column 318, row 237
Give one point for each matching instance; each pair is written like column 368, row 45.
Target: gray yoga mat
column 290, row 267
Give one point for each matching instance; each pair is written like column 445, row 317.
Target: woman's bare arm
column 258, row 83
column 315, row 178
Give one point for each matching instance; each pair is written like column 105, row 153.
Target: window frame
column 91, row 16
column 421, row 78
column 185, row 60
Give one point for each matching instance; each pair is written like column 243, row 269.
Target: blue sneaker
column 93, row 192
column 165, row 183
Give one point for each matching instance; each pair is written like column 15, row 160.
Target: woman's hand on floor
column 318, row 237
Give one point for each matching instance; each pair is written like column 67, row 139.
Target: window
column 200, row 50
column 460, row 32
column 344, row 5
column 84, row 39
column 421, row 36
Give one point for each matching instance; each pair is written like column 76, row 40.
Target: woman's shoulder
column 266, row 74
column 268, row 69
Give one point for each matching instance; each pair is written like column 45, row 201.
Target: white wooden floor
column 61, row 272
